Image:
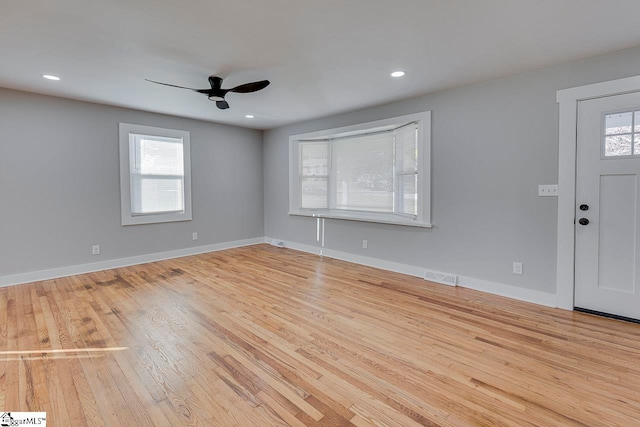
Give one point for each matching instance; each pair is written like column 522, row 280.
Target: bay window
column 376, row 171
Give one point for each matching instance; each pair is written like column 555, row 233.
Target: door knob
column 583, row 221
column 584, row 207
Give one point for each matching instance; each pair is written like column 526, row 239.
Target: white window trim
column 567, row 139
column 423, row 219
column 125, row 178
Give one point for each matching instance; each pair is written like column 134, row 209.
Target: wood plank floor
column 262, row 336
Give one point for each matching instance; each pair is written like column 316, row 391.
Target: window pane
column 157, row 175
column 314, row 193
column 159, row 156
column 364, row 173
column 314, row 158
column 408, row 195
column 618, row 123
column 617, row 145
column 153, row 194
column 636, row 145
column 407, row 149
column 636, row 119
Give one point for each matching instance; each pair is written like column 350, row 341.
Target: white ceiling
column 322, row 57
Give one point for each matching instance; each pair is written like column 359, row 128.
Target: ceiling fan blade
column 181, row 87
column 250, row 87
column 223, row 105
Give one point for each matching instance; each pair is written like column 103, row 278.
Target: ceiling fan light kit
column 217, row 94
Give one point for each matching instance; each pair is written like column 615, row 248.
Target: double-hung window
column 154, row 175
column 377, row 171
column 314, row 178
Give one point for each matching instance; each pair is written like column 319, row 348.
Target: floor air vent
column 279, row 243
column 444, row 278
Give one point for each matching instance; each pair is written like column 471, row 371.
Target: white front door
column 607, row 195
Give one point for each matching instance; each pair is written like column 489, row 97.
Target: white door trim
column 568, row 114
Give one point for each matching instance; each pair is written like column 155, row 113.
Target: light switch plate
column 548, row 190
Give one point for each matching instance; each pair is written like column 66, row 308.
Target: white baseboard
column 356, row 259
column 509, row 291
column 522, row 294
column 71, row 270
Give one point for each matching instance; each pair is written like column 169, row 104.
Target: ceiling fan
column 217, row 94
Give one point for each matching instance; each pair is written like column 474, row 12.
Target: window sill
column 396, row 220
column 155, row 218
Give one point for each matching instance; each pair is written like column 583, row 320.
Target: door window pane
column 618, row 123
column 621, row 134
column 617, row 145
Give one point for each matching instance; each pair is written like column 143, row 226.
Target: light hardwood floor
column 261, row 336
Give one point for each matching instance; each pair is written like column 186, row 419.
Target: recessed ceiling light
column 397, row 74
column 50, row 77
column 249, row 116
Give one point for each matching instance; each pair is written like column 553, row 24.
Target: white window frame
column 422, row 219
column 126, row 133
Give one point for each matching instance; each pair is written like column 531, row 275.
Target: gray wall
column 492, row 144
column 60, row 190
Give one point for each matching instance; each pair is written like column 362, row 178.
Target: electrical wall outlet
column 95, row 250
column 194, row 236
column 517, row 268
column 365, row 244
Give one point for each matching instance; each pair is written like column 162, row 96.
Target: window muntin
column 155, row 174
column 376, row 171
